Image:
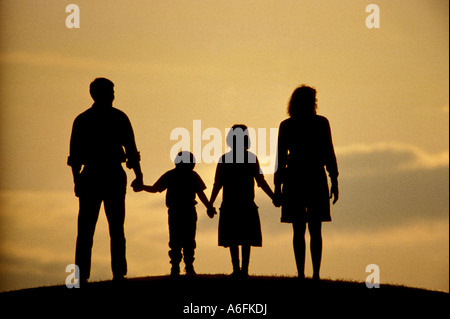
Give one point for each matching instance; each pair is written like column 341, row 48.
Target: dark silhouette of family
column 103, row 138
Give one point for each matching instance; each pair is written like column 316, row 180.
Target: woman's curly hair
column 303, row 102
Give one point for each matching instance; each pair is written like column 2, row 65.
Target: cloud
column 58, row 60
column 373, row 159
column 413, row 254
column 393, row 215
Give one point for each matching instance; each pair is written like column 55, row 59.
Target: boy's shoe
column 190, row 270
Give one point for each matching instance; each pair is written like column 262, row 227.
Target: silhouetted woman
column 305, row 149
column 239, row 223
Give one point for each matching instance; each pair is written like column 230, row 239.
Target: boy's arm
column 210, row 210
column 148, row 188
column 204, row 199
column 159, row 186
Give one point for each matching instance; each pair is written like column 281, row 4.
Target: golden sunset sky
column 385, row 92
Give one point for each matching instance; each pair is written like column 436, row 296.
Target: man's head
column 102, row 91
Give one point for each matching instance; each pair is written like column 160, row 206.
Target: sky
column 218, row 63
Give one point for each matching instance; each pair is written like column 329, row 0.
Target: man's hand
column 137, row 185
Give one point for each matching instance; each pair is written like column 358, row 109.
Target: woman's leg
column 315, row 231
column 245, row 259
column 299, row 228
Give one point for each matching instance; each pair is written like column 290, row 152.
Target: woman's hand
column 334, row 192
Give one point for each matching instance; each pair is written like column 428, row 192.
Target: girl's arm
column 266, row 188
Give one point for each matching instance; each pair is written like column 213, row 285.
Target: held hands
column 276, row 200
column 137, row 185
column 211, row 211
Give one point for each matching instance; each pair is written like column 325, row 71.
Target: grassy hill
column 219, row 296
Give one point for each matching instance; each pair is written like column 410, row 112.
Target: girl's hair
column 303, row 102
column 238, row 135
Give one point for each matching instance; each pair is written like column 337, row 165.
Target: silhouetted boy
column 182, row 184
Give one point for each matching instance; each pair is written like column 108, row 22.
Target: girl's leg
column 245, row 259
column 299, row 228
column 234, row 252
column 315, row 231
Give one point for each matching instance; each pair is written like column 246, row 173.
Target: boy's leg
column 174, row 244
column 189, row 244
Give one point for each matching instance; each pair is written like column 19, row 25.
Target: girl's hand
column 211, row 211
column 277, row 200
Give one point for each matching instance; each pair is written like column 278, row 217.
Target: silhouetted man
column 102, row 139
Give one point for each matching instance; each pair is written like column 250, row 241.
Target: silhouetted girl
column 239, row 223
column 305, row 148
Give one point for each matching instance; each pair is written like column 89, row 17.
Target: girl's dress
column 239, row 222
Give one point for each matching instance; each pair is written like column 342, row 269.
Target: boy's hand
column 137, row 185
column 211, row 211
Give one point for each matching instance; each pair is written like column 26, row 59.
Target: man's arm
column 74, row 160
column 133, row 156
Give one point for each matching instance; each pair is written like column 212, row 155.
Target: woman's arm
column 331, row 164
column 214, row 193
column 281, row 161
